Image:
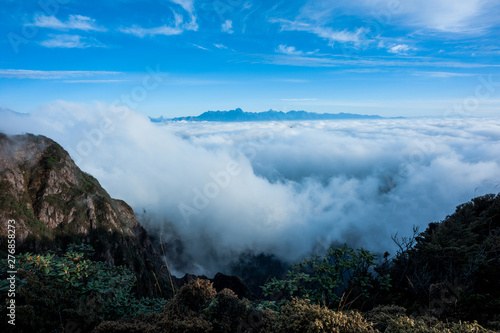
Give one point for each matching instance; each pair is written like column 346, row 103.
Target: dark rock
column 234, row 283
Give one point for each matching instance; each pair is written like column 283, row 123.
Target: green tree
column 343, row 275
column 69, row 288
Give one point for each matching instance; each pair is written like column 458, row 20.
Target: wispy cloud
column 177, row 28
column 221, row 46
column 401, row 49
column 292, row 80
column 333, row 36
column 188, row 6
column 442, row 74
column 94, row 81
column 77, row 22
column 442, row 16
column 143, row 32
column 448, row 15
column 396, row 48
column 227, row 26
column 338, row 61
column 50, row 75
column 291, row 50
column 201, row 47
column 298, row 99
column 187, row 81
column 70, row 41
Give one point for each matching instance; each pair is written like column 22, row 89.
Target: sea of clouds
column 216, row 190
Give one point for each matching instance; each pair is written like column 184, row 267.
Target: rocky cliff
column 54, row 203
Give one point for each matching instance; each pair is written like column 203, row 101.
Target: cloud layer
column 214, row 191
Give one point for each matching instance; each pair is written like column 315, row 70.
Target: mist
column 214, row 191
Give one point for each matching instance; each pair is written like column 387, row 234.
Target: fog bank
column 216, row 190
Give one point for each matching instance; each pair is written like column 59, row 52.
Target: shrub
column 409, row 325
column 195, row 296
column 381, row 315
column 198, row 308
column 184, row 312
column 226, row 311
column 298, row 315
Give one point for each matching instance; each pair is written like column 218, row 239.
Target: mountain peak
column 55, row 203
column 238, row 115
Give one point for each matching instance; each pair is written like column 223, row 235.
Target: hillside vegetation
column 445, row 279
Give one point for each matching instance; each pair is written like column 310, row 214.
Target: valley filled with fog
column 214, row 191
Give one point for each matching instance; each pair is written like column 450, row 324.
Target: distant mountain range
column 271, row 115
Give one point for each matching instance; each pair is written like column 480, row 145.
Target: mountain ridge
column 238, row 115
column 54, row 203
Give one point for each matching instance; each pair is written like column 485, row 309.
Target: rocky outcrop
column 55, row 203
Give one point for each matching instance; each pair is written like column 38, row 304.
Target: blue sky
column 392, row 58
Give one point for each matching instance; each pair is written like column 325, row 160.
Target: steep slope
column 54, row 203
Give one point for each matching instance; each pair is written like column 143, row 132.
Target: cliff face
column 55, row 203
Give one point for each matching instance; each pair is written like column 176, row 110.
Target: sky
column 184, row 57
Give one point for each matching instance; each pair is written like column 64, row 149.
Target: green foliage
column 325, row 280
column 69, row 287
column 89, row 184
column 53, row 157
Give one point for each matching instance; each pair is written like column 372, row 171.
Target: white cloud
column 37, row 74
column 70, row 41
column 93, row 81
column 442, row 74
column 398, row 48
column 227, row 26
column 221, row 46
column 188, row 6
column 78, row 22
column 290, row 50
column 179, row 26
column 401, row 49
column 298, row 99
column 332, row 61
column 298, row 183
column 143, row 32
column 288, row 80
column 333, row 36
column 446, row 16
column 200, row 47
